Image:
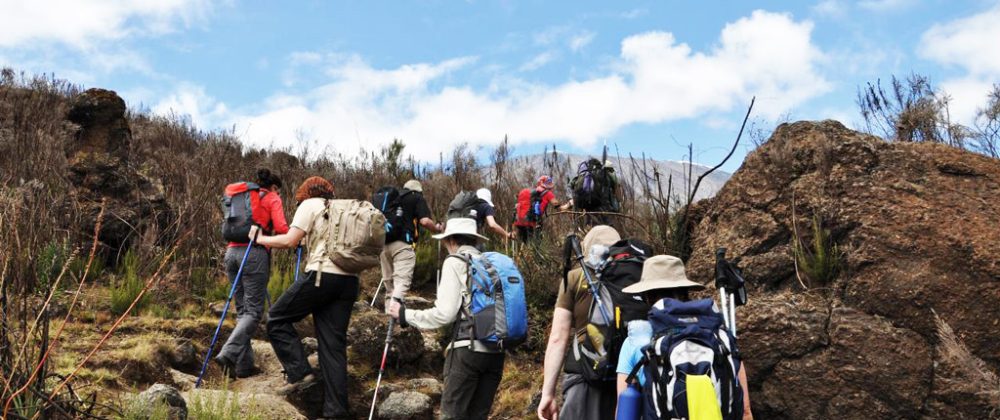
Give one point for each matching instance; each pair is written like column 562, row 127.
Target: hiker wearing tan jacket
column 472, row 372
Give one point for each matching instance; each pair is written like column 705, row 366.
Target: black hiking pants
column 471, row 380
column 330, row 305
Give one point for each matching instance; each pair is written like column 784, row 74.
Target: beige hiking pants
column 398, row 260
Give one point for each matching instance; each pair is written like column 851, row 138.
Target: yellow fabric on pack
column 702, row 402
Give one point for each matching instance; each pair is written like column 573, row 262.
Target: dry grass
column 42, row 212
column 962, row 370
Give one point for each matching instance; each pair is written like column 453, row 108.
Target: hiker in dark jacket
column 236, row 356
column 472, row 372
column 581, row 399
column 326, row 292
column 398, row 258
column 485, row 213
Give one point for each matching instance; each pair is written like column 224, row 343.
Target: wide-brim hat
column 460, row 226
column 662, row 272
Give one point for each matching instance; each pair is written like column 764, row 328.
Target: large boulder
column 917, row 226
column 101, row 171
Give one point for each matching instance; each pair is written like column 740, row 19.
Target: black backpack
column 239, row 202
column 463, row 205
column 590, row 185
column 387, row 200
column 596, row 347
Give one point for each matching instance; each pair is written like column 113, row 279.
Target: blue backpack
column 692, row 364
column 496, row 311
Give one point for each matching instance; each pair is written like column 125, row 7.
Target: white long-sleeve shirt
column 451, row 294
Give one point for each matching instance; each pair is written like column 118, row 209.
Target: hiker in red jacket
column 531, row 206
column 236, row 356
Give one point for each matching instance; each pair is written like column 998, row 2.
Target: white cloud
column 192, row 102
column 538, row 61
column 634, row 14
column 654, row 79
column 830, row 8
column 885, row 5
column 969, row 44
column 581, row 40
column 968, row 94
column 79, row 23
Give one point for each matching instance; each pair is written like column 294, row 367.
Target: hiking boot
column 228, row 366
column 306, row 382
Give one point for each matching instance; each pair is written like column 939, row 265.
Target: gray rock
column 165, row 394
column 406, row 405
column 311, row 344
column 183, row 354
column 182, row 381
column 429, row 386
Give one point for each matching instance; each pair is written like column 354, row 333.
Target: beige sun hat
column 413, row 185
column 460, row 226
column 662, row 272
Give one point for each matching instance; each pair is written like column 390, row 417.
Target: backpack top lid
column 668, row 315
column 462, row 204
column 385, row 197
column 629, row 249
column 240, row 187
column 590, row 165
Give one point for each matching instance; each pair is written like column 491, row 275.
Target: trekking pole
column 575, row 243
column 721, row 280
column 225, row 310
column 298, row 259
column 437, row 263
column 377, row 289
column 381, row 369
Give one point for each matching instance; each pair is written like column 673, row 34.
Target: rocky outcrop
column 100, row 168
column 366, row 337
column 918, row 228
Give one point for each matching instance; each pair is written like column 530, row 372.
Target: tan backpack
column 356, row 234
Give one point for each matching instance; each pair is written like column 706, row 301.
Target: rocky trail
column 410, row 389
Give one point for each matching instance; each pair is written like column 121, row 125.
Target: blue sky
column 645, row 76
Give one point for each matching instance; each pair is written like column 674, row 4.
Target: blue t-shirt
column 639, row 334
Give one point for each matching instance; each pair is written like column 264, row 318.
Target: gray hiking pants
column 249, row 296
column 586, row 401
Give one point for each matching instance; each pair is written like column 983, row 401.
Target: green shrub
column 48, row 265
column 820, row 259
column 127, row 286
column 281, row 279
column 79, row 265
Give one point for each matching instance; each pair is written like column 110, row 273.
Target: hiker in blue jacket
column 663, row 277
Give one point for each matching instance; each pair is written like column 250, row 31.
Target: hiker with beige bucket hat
column 684, row 351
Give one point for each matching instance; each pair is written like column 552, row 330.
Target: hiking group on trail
column 625, row 339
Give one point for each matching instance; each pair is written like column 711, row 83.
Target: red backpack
column 240, row 202
column 529, row 207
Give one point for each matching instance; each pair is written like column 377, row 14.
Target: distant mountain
column 631, row 172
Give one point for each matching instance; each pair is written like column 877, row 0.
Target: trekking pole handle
column 578, row 252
